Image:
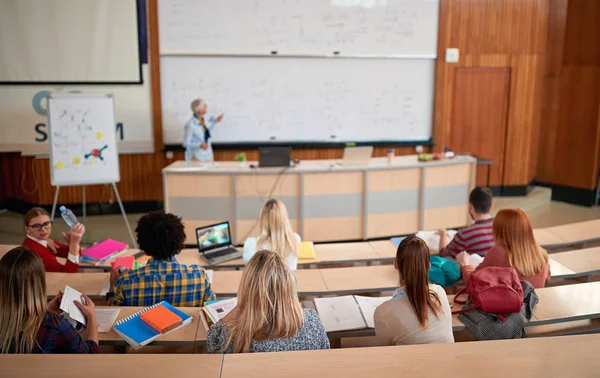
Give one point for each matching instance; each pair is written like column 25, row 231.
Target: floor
column 541, row 210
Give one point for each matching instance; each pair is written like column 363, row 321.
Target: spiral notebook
column 138, row 334
column 348, row 313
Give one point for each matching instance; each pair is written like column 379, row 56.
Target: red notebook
column 126, row 262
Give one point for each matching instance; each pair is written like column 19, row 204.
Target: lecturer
column 196, row 136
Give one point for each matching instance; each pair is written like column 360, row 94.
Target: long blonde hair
column 268, row 307
column 36, row 212
column 512, row 231
column 22, row 300
column 276, row 230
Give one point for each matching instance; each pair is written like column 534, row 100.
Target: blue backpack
column 443, row 272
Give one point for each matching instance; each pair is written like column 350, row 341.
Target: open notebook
column 347, row 313
column 432, row 239
column 138, row 333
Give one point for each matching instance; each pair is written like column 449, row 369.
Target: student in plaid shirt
column 161, row 236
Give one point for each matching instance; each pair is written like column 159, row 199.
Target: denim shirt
column 194, row 135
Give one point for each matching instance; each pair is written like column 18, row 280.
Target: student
column 419, row 312
column 476, row 238
column 28, row 323
column 161, row 236
column 38, row 227
column 197, row 131
column 515, row 247
column 276, row 235
column 268, row 316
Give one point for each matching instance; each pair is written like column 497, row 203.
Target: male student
column 476, row 238
column 161, row 236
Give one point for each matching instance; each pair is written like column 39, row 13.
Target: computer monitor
column 274, row 156
column 213, row 236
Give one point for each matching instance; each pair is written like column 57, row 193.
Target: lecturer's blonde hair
column 276, row 230
column 196, row 104
column 22, row 300
column 268, row 306
column 512, row 231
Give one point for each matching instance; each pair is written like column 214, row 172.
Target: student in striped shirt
column 476, row 238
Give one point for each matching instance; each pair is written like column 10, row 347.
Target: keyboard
column 225, row 254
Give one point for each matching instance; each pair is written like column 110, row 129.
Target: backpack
column 493, row 290
column 443, row 272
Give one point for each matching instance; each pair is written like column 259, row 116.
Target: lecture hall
column 300, row 188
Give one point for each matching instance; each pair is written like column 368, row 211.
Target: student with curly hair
column 161, row 236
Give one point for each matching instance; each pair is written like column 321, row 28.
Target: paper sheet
column 368, row 306
column 432, row 239
column 210, row 274
column 106, row 317
column 220, row 309
column 475, row 260
column 67, row 305
column 339, row 313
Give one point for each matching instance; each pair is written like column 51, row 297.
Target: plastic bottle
column 68, row 216
column 188, row 157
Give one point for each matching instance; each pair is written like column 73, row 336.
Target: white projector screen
column 69, row 41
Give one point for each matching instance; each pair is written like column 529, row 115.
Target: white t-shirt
column 397, row 324
column 250, row 250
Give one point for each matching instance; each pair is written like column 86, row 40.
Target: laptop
column 356, row 156
column 214, row 243
column 274, row 156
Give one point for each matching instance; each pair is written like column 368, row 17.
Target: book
column 138, row 333
column 432, row 239
column 105, row 317
column 161, row 319
column 307, row 251
column 126, row 262
column 67, row 304
column 348, row 313
column 214, row 311
column 103, row 251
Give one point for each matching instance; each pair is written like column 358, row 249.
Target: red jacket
column 49, row 258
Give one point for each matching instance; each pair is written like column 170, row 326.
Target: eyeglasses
column 38, row 226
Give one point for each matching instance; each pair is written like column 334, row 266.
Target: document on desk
column 105, row 317
column 432, row 239
column 67, row 304
column 368, row 305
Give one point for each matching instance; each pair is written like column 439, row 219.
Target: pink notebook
column 126, row 262
column 104, row 249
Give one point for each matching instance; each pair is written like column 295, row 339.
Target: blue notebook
column 138, row 334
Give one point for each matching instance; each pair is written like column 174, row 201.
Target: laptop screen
column 214, row 236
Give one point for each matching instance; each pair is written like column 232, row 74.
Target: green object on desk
column 350, row 144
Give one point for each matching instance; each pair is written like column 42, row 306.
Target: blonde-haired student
column 28, row 323
column 268, row 316
column 419, row 312
column 276, row 235
column 515, row 247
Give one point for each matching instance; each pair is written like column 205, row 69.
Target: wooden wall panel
column 557, row 24
column 582, row 38
column 479, row 116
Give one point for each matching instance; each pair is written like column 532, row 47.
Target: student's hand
column 54, row 304
column 441, row 232
column 462, row 258
column 114, row 276
column 204, row 146
column 219, row 118
column 75, row 234
column 88, row 307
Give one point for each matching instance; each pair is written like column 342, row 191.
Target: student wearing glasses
column 38, row 227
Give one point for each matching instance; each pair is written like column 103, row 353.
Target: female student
column 268, row 316
column 515, row 247
column 276, row 235
column 29, row 324
column 38, row 227
column 419, row 312
column 197, row 130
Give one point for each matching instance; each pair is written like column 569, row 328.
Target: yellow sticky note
column 99, row 135
column 76, row 160
column 60, row 165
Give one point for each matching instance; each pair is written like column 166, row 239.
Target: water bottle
column 188, row 157
column 68, row 216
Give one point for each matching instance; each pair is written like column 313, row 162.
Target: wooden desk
column 91, row 284
column 385, row 249
column 362, row 279
column 546, row 238
column 102, row 366
column 558, row 270
column 310, row 282
column 582, row 261
column 580, row 232
column 548, row 357
column 325, row 201
column 4, row 248
column 185, row 336
column 567, row 303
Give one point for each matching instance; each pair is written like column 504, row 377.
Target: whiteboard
column 83, row 140
column 299, row 27
column 281, row 99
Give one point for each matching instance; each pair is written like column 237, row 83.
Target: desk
column 102, row 366
column 91, row 284
column 580, row 232
column 185, row 336
column 310, row 282
column 362, row 279
column 325, row 201
column 567, row 303
column 582, row 261
column 546, row 238
column 548, row 357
